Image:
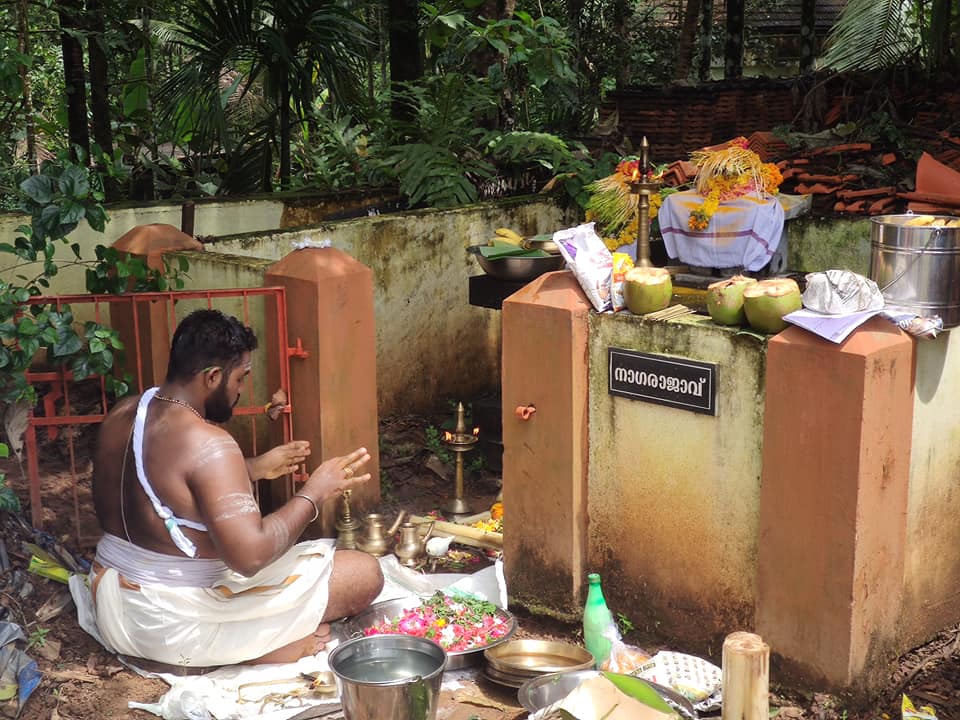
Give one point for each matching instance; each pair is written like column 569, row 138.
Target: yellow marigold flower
column 611, row 243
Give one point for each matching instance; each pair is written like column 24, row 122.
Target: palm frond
column 163, row 32
column 870, row 35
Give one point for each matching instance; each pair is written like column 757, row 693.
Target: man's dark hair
column 207, row 338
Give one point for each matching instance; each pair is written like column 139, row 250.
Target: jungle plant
column 57, row 200
column 873, row 35
column 250, row 64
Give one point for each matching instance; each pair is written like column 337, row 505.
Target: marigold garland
column 613, row 206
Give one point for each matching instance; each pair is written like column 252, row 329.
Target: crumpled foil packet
column 922, row 327
column 836, row 292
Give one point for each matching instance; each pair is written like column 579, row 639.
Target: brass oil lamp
column 460, row 441
column 347, row 525
column 643, row 187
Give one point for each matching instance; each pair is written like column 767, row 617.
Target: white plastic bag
column 590, row 260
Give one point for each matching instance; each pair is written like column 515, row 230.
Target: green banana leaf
column 640, row 691
column 501, row 250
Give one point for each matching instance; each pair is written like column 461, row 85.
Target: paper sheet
column 835, row 328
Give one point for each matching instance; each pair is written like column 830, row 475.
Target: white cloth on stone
column 743, row 232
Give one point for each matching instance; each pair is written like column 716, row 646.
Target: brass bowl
column 537, row 657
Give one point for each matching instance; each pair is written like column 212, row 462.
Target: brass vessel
column 375, row 540
column 347, row 525
column 411, row 548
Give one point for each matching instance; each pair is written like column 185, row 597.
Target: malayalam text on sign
column 675, row 382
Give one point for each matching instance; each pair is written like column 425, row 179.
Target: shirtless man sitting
column 188, row 571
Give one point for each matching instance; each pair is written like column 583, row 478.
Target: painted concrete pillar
column 833, row 500
column 152, row 331
column 334, row 379
column 545, row 456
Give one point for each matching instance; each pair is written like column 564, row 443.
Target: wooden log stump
column 746, row 677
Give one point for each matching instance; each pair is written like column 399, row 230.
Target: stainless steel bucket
column 389, row 676
column 917, row 267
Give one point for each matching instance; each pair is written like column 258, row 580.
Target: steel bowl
column 391, row 609
column 540, row 692
column 520, row 268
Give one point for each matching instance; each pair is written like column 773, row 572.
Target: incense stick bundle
column 674, row 311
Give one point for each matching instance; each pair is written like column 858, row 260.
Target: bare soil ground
column 81, row 681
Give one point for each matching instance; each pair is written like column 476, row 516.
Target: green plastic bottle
column 599, row 628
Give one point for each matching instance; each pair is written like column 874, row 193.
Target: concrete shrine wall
column 818, row 507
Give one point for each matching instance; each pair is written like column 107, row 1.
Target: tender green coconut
column 725, row 300
column 647, row 289
column 767, row 301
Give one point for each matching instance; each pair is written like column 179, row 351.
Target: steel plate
column 390, row 609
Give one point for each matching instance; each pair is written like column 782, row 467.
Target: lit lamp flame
column 636, row 174
column 447, row 435
column 476, row 431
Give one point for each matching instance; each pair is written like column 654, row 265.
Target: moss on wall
column 816, row 244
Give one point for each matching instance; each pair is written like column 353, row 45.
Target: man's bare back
column 197, row 473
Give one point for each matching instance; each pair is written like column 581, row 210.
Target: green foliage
column 38, row 637
column 333, row 154
column 57, row 200
column 8, row 498
column 436, row 176
column 435, row 444
column 871, row 35
column 624, row 624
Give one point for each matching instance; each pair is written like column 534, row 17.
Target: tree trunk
column 685, row 43
column 74, row 79
column 621, row 17
column 99, row 82
column 939, row 36
column 23, row 46
column 406, row 63
column 808, row 26
column 145, row 184
column 733, row 55
column 706, row 40
column 284, row 133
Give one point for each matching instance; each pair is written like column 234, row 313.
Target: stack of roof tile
column 937, row 190
column 846, row 178
column 768, row 146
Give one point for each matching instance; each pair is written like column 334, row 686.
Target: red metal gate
column 148, row 321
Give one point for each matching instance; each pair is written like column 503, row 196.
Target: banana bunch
column 506, row 235
column 931, row 221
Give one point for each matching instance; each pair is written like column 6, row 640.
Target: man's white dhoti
column 233, row 620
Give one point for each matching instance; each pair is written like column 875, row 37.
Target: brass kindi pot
column 375, row 540
column 411, row 547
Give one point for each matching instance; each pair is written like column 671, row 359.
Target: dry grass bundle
column 734, row 161
column 612, row 203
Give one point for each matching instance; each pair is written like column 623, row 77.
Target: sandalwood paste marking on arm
column 234, row 505
column 216, row 449
column 281, row 536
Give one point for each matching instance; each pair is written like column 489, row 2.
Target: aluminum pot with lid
column 915, row 260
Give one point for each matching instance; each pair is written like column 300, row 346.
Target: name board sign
column 675, row 382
